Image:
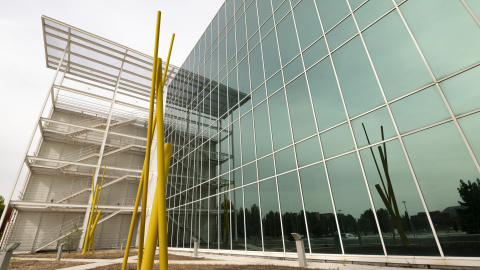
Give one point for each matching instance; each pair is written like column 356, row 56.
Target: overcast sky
column 24, row 79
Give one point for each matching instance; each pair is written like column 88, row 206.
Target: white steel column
column 87, row 215
column 37, row 121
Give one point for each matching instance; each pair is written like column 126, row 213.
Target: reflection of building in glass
column 269, row 116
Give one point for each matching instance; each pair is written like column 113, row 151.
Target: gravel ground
column 132, row 266
column 44, row 265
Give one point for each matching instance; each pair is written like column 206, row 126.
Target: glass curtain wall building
column 353, row 123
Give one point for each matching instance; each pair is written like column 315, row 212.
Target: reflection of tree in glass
column 470, row 194
column 387, row 194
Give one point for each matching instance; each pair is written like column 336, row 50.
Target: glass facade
column 353, row 123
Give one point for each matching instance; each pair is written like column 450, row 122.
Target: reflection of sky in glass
column 440, row 159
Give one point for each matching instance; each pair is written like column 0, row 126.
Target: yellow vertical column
column 161, row 185
column 149, row 145
column 85, row 244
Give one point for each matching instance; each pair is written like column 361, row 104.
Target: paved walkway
column 219, row 260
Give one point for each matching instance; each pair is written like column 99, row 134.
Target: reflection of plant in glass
column 470, row 194
column 387, row 194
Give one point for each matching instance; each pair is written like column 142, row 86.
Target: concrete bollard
column 302, row 260
column 121, row 246
column 195, row 247
column 7, row 255
column 60, row 250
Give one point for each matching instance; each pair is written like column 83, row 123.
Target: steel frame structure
column 104, row 88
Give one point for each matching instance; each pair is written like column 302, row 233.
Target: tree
column 2, row 204
column 72, row 238
column 470, row 214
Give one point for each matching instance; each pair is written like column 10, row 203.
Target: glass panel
column 256, row 67
column 264, row 10
column 373, row 123
column 230, row 9
column 243, row 77
column 279, row 120
column 281, row 11
column 222, row 54
column 272, row 230
column 337, row 141
column 249, row 173
column 224, row 149
column 341, row 33
column 262, row 130
column 354, row 211
column 462, row 92
column 232, row 49
column 419, row 110
column 252, row 20
column 371, row 11
column 471, row 129
column 293, row 69
column 240, row 32
column 248, row 145
column 236, row 149
column 203, row 236
column 225, row 224
column 270, row 55
column 259, row 95
column 252, row 218
column 236, row 177
column 474, row 6
column 319, row 210
column 274, row 83
column 245, row 105
column 287, row 39
column 238, row 240
column 285, row 160
column 308, row 24
column 252, row 42
column 293, row 217
column 357, row 80
column 356, row 3
column 444, row 168
column 265, row 29
column 446, row 49
column 397, row 61
column 242, row 53
column 314, row 53
column 410, row 236
column 325, row 95
column 266, row 167
column 276, row 3
column 308, row 151
column 301, row 114
column 331, row 12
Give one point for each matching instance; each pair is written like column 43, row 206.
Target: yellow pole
column 100, row 190
column 168, row 62
column 91, row 215
column 91, row 236
column 87, row 240
column 93, row 205
column 149, row 144
column 152, row 236
column 132, row 224
column 162, row 171
column 162, row 213
column 97, row 200
column 134, row 216
column 151, row 240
